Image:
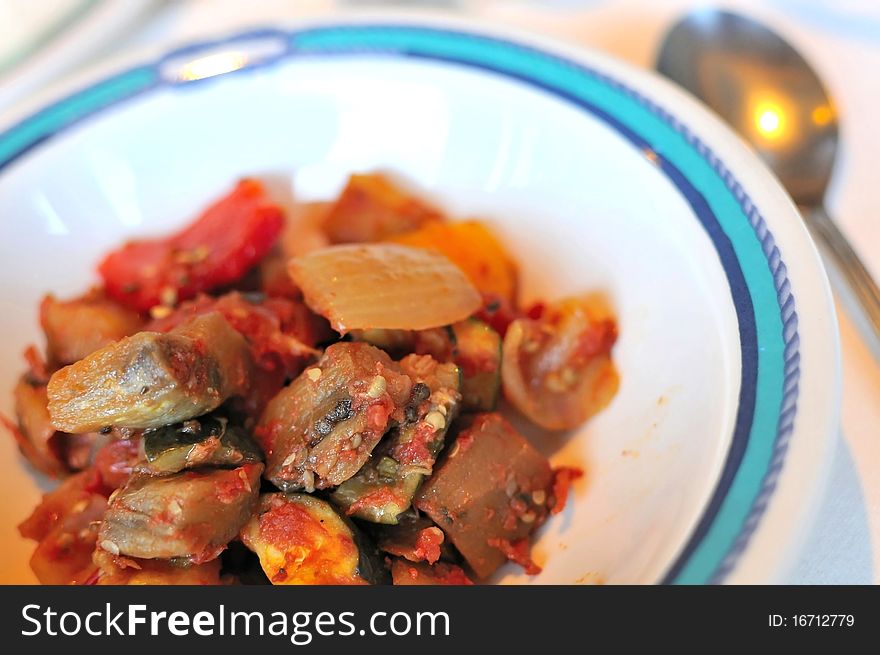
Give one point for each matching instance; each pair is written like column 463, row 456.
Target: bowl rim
column 615, row 93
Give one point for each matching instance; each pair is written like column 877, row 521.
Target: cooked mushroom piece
column 192, row 515
column 150, row 380
column 321, row 429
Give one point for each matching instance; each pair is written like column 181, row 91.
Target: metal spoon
column 762, row 87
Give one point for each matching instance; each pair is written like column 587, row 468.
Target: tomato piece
column 557, row 369
column 416, row 573
column 227, row 240
column 563, row 477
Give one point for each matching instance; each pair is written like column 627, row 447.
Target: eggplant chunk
column 471, row 344
column 124, row 571
column 384, row 487
column 405, row 573
column 150, row 380
column 492, row 490
column 206, row 441
column 73, row 493
column 414, row 538
column 191, row 515
column 37, row 438
column 320, row 430
column 301, row 539
column 64, row 525
column 76, row 328
column 52, row 452
column 64, row 555
column 371, row 208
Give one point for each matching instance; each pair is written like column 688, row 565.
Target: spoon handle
column 860, row 293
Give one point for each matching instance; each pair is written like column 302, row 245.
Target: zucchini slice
column 301, row 539
column 477, row 351
column 206, row 441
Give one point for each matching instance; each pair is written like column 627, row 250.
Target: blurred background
column 49, row 44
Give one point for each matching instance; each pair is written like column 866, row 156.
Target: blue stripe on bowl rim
column 757, row 276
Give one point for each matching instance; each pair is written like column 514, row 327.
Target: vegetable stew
column 256, row 400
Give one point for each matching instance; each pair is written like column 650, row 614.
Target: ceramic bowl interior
column 586, row 204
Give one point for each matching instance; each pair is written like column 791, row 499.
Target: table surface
column 840, row 38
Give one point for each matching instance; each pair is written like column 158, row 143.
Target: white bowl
column 597, row 176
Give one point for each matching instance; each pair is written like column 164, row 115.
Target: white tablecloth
column 841, row 38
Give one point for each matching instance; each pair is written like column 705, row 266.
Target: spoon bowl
column 773, row 98
column 762, row 87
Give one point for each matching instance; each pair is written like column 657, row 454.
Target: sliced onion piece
column 557, row 370
column 381, row 285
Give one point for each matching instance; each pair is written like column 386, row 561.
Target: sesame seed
column 168, row 296
column 110, row 547
column 554, row 383
column 539, row 496
column 528, row 517
column 436, row 420
column 64, row 540
column 569, row 377
column 377, row 387
column 314, row 374
column 160, row 311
